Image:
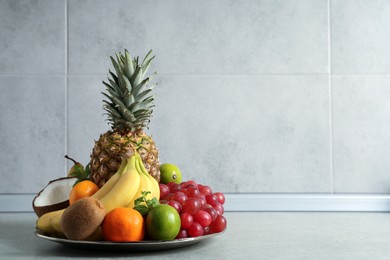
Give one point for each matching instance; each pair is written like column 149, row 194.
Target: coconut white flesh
column 55, row 192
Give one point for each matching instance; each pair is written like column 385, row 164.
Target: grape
column 175, row 205
column 220, row 197
column 186, row 220
column 179, row 197
column 211, row 199
column 182, row 233
column 174, row 187
column 191, row 205
column 188, row 184
column 195, row 230
column 169, row 196
column 206, row 190
column 171, row 184
column 218, row 225
column 202, row 201
column 213, row 212
column 203, row 218
column 191, row 192
column 201, row 210
column 219, row 208
column 164, row 190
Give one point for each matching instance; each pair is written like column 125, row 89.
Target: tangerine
column 123, row 225
column 82, row 189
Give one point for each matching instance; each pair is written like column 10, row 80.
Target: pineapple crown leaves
column 129, row 102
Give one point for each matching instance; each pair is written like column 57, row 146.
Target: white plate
column 146, row 245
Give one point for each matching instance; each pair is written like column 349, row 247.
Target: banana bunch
column 147, row 183
column 121, row 190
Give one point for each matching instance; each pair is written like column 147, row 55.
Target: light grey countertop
column 250, row 235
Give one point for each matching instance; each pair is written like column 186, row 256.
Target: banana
column 44, row 222
column 145, row 185
column 50, row 222
column 124, row 190
column 155, row 187
column 111, row 182
column 55, row 221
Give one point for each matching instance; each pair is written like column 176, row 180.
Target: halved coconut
column 54, row 196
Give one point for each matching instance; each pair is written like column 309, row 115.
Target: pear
column 76, row 169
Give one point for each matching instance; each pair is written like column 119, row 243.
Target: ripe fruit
column 182, row 233
column 123, row 225
column 76, row 169
column 203, row 218
column 198, row 207
column 204, row 189
column 170, row 173
column 176, row 205
column 179, row 197
column 218, row 225
column 163, row 222
column 191, row 192
column 81, row 190
column 191, row 205
column 195, row 230
column 186, row 220
column 81, row 219
column 164, row 190
column 54, row 196
column 219, row 208
column 211, row 199
column 129, row 104
column 220, row 197
column 212, row 212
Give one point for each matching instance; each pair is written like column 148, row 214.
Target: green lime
column 163, row 222
column 169, row 173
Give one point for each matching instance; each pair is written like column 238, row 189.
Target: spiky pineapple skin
column 113, row 146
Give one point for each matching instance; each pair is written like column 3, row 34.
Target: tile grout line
column 66, row 83
column 37, row 75
column 330, row 99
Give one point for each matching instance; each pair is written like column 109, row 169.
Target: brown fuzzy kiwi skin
column 82, row 218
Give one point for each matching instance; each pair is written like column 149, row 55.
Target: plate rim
column 139, row 245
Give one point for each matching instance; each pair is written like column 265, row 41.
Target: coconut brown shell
column 64, row 185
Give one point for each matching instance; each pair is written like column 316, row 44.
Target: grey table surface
column 250, row 235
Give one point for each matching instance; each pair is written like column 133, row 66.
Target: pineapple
column 129, row 106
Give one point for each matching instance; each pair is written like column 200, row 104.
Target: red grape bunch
column 201, row 210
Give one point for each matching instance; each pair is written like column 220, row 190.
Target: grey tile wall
column 240, row 133
column 32, row 38
column 201, row 37
column 361, row 120
column 32, row 131
column 253, row 96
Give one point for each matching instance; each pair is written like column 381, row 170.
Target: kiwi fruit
column 81, row 219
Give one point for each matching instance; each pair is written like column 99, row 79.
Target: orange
column 82, row 189
column 123, row 225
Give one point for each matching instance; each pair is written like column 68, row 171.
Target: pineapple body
column 113, row 146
